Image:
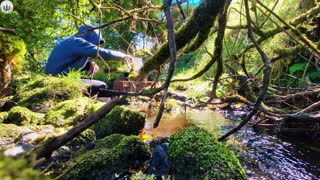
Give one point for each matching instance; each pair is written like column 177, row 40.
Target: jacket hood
column 91, row 36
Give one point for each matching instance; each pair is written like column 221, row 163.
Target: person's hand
column 128, row 61
column 94, row 68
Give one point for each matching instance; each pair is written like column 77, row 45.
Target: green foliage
column 188, row 61
column 298, row 67
column 12, row 46
column 17, row 169
column 127, row 153
column 69, row 112
column 23, row 116
column 120, row 120
column 195, row 154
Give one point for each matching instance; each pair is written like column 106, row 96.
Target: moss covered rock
column 68, row 112
column 113, row 154
column 195, row 154
column 23, row 116
column 43, row 92
column 120, row 120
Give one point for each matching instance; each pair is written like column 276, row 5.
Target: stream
column 265, row 155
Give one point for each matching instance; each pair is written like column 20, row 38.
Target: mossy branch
column 202, row 19
column 8, row 31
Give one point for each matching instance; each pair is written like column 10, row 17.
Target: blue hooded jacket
column 74, row 52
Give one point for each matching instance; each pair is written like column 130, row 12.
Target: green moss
column 23, row 116
column 68, row 112
column 17, row 169
column 195, row 154
column 110, row 141
column 129, row 152
column 9, row 131
column 120, row 120
column 84, row 138
column 3, row 116
column 42, row 92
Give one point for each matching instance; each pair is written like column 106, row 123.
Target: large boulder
column 196, row 154
column 112, row 155
column 120, row 120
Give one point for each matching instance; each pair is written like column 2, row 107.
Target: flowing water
column 265, row 156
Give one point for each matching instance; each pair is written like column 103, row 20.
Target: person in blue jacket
column 73, row 54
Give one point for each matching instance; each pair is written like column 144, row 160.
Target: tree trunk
column 5, row 75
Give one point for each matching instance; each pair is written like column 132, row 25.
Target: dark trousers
column 95, row 87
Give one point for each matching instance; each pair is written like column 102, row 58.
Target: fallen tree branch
column 310, row 108
column 53, row 144
column 8, row 31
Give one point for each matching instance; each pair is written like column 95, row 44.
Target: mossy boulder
column 113, row 154
column 42, row 92
column 120, row 120
column 68, row 112
column 23, row 116
column 196, row 154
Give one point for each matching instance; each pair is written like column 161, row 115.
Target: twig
column 173, row 58
column 222, row 21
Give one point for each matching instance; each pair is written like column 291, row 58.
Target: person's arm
column 85, row 48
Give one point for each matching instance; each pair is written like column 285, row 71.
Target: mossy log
column 198, row 25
